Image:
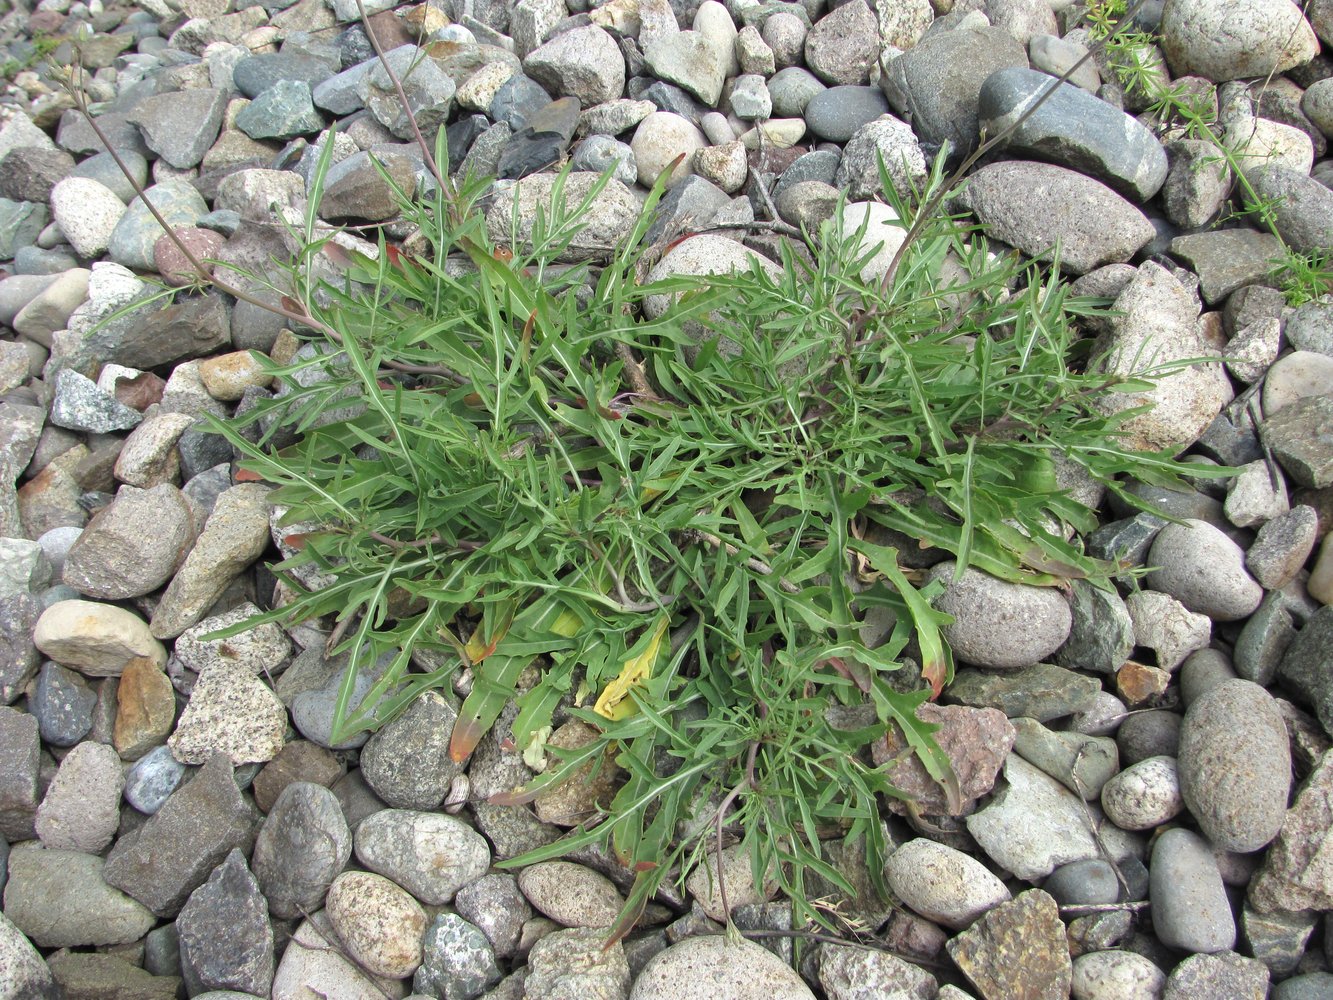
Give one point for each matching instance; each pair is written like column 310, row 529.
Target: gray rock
column 131, row 242
column 1042, row 691
column 495, row 904
column 888, row 139
column 59, row 900
column 29, row 173
column 1102, row 636
column 302, row 846
column 181, row 126
column 1196, row 185
column 1167, row 627
column 102, row 168
column 407, row 762
column 380, row 925
column 1310, row 986
column 1082, row 883
column 1190, row 908
column 1034, row 206
column 1225, row 974
column 542, row 141
column 1150, row 734
column 133, row 545
column 516, row 100
column 837, row 113
column 313, row 964
column 688, row 207
column 847, row 973
column 457, row 962
column 255, row 74
column 843, row 44
column 1307, row 666
column 570, row 894
column 80, row 974
column 231, row 712
column 1235, row 765
column 27, row 976
column 173, row 853
column 20, row 747
column 226, row 940
column 1310, row 328
column 1295, row 872
column 283, row 111
column 1083, row 764
column 1144, row 795
column 63, row 705
column 152, row 779
column 356, row 187
column 942, row 884
column 584, row 62
column 997, row 623
column 1232, row 43
column 1032, row 825
column 431, row 855
column 81, row 809
column 1126, row 541
column 715, row 967
column 1299, row 435
column 260, row 649
column 1203, row 569
column 791, row 91
column 598, row 153
column 21, row 222
column 1302, row 207
column 80, row 406
column 1277, row 939
column 1227, row 259
column 608, row 219
column 151, row 338
column 1264, row 639
column 1073, row 128
column 19, row 658
column 313, row 708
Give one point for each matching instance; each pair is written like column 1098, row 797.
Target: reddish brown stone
column 976, row 741
column 1141, row 686
column 146, row 709
column 299, row 760
column 174, row 266
column 141, row 391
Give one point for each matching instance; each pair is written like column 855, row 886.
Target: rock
column 313, row 965
column 407, row 762
column 1093, row 881
column 80, row 406
column 1263, row 641
column 1156, row 733
column 150, row 457
column 792, row 89
column 1143, row 796
column 690, row 60
column 193, row 327
column 98, row 640
column 380, row 925
column 1203, row 569
column 1190, row 908
column 847, row 973
column 430, row 855
column 888, row 139
column 1042, row 692
column 584, row 62
column 145, row 709
column 1101, row 637
column 1074, row 129
column 1083, row 764
column 59, row 900
column 1235, row 40
column 299, row 760
column 570, row 894
column 85, row 976
column 1294, row 875
column 173, row 853
column 231, row 712
column 283, row 111
column 233, row 537
column 843, row 44
column 997, row 623
column 255, row 74
column 21, row 223
column 226, row 940
column 355, row 188
column 1167, row 627
column 1278, row 940
column 659, row 140
column 1217, row 975
column 152, row 779
column 1302, row 207
column 1299, row 437
column 976, row 741
column 259, row 649
column 1030, row 926
column 1297, row 375
column 495, row 904
column 578, row 963
column 87, row 213
column 19, row 656
column 181, row 125
column 837, row 113
column 313, row 708
column 608, row 219
column 1032, row 825
column 1158, row 323
column 302, row 846
column 942, row 884
column 458, row 960
column 1116, row 975
column 735, row 869
column 63, row 705
column 711, row 966
column 131, row 242
column 81, row 809
column 133, row 545
column 27, row 975
column 1252, row 496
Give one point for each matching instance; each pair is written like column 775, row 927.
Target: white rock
column 998, row 623
column 1254, row 498
column 1164, row 625
column 1235, row 39
column 313, row 966
column 96, row 639
column 1116, row 975
column 87, row 212
column 943, row 884
column 380, row 924
column 715, row 968
column 1144, row 795
column 883, row 230
column 659, row 139
column 1261, row 142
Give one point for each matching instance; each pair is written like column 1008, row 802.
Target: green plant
column 30, row 54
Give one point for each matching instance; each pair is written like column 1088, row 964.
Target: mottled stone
column 59, row 900
column 407, row 762
column 380, row 925
column 299, row 760
column 942, row 884
column 431, row 855
column 145, row 708
column 570, row 894
column 80, row 811
column 133, row 545
column 302, row 846
column 1297, row 873
column 226, row 940
column 739, row 971
column 976, row 741
column 1042, row 692
column 1017, row 949
column 457, row 960
column 231, row 712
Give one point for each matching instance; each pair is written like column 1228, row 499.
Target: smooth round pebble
column 720, row 970
column 1144, row 795
column 1190, row 908
column 1198, row 565
column 153, row 777
column 1000, row 624
column 1091, row 881
column 431, row 855
column 942, row 884
column 381, row 926
column 1116, row 975
column 570, row 894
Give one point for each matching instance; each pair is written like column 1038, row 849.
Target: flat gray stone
column 1042, row 691
column 133, row 545
column 1307, row 666
column 226, row 940
column 59, row 900
column 181, row 126
column 284, row 111
column 1301, row 436
column 1189, row 902
column 302, row 846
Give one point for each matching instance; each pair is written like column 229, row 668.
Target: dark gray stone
column 175, row 851
column 1086, row 882
column 1282, row 546
column 255, row 74
column 303, row 845
column 80, row 406
column 1197, row 183
column 1102, row 636
column 1264, row 639
column 63, row 705
column 355, row 189
column 1277, row 939
column 21, row 222
column 181, row 126
column 542, row 141
column 28, row 173
column 1227, row 259
column 817, row 165
column 836, row 114
column 19, row 658
column 517, row 99
column 284, row 111
column 1203, row 670
column 1229, row 443
column 671, row 98
column 937, row 82
column 461, row 135
column 1306, row 669
column 1073, row 128
column 225, row 938
column 194, row 327
column 1301, row 436
column 407, row 762
column 20, row 749
column 137, row 232
column 689, row 205
column 1148, row 734
column 1189, row 903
